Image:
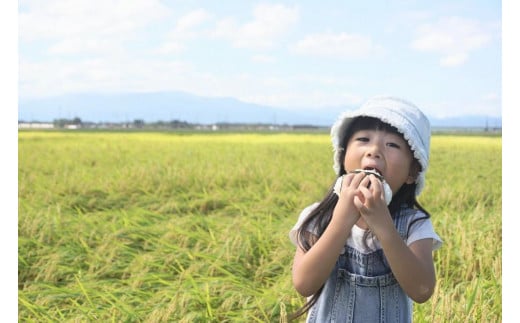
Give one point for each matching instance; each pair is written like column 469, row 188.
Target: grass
column 154, row 227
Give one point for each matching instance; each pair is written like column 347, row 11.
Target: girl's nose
column 374, row 151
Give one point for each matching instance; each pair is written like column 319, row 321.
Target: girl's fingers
column 347, row 181
column 371, row 187
column 366, row 181
column 361, row 180
column 358, row 203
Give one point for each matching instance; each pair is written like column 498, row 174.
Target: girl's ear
column 415, row 168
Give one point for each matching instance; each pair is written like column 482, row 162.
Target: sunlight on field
column 193, row 227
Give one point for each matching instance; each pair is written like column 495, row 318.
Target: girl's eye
column 393, row 145
column 363, row 139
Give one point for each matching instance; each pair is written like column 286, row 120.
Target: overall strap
column 401, row 220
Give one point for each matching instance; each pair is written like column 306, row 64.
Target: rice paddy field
column 187, row 227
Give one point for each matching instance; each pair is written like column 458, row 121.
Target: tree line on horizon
column 76, row 122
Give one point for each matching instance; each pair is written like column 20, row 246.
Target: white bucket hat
column 403, row 115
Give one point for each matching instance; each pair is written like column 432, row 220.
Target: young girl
column 365, row 251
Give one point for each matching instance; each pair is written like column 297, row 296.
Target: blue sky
column 445, row 56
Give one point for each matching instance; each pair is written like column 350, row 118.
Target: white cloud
column 58, row 76
column 492, row 96
column 269, row 24
column 192, row 20
column 171, row 47
column 72, row 45
column 454, row 38
column 453, row 60
column 187, row 27
column 340, row 45
column 58, row 19
column 463, row 106
column 86, row 27
column 263, row 58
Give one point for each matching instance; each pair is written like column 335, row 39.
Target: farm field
column 169, row 227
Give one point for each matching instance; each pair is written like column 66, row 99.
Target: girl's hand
column 370, row 202
column 349, row 189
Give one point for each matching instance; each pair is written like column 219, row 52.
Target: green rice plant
column 186, row 227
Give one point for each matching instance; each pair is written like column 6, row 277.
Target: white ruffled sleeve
column 423, row 229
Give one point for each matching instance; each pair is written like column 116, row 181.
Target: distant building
column 35, row 125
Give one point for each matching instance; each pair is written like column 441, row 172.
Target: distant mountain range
column 168, row 106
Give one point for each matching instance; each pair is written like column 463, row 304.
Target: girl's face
column 386, row 152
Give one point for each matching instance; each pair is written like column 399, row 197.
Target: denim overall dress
column 362, row 288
